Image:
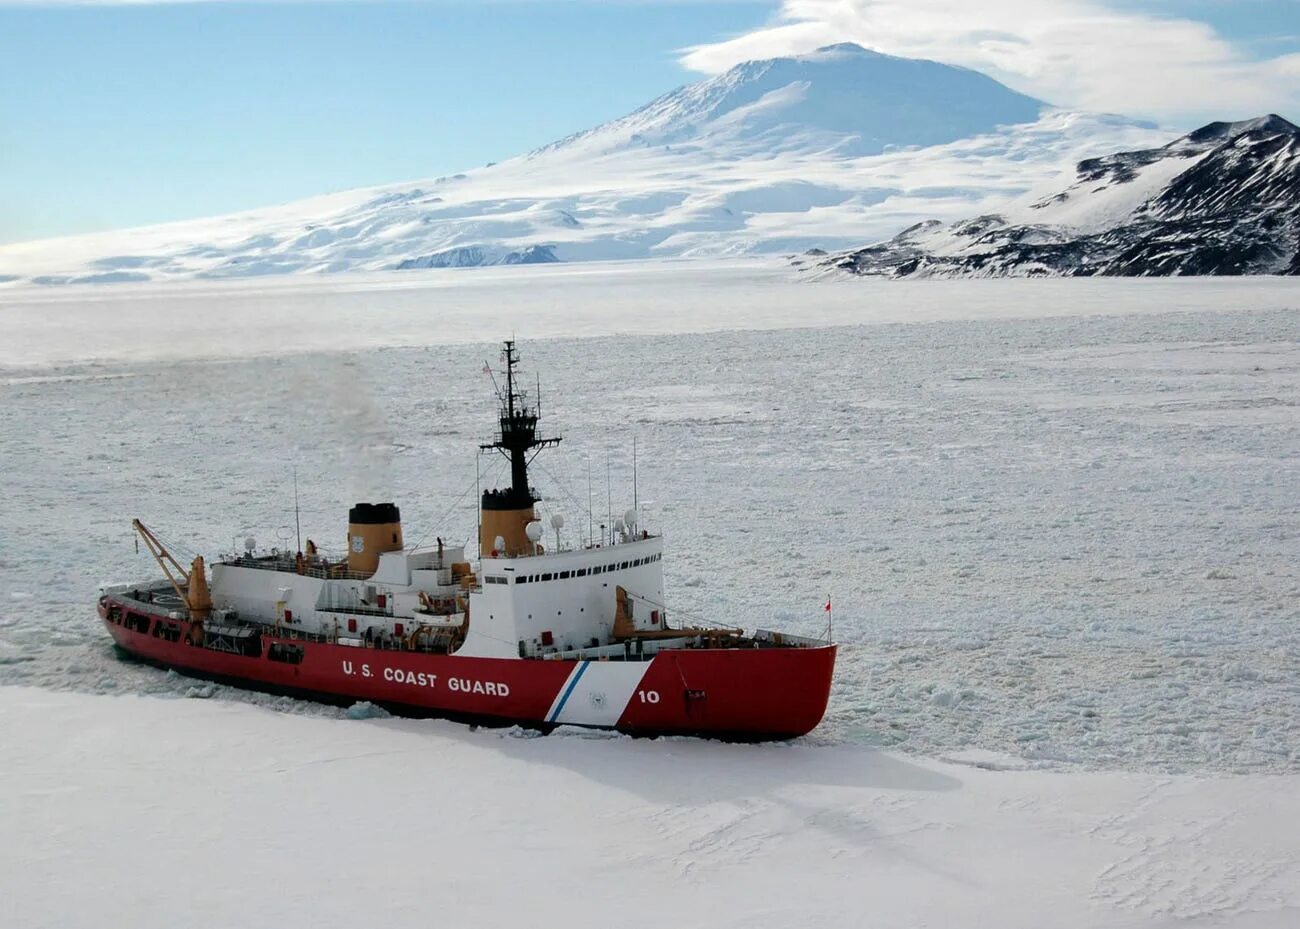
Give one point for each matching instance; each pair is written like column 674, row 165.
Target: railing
column 356, row 610
column 586, row 545
column 329, row 572
column 629, row 650
column 768, row 637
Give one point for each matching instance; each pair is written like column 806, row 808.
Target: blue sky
column 120, row 115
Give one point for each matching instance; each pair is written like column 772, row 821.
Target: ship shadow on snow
column 687, row 770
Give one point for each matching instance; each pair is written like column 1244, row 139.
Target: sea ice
column 1057, row 520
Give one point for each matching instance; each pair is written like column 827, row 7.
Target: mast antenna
column 609, row 501
column 496, row 388
column 297, row 521
column 635, row 501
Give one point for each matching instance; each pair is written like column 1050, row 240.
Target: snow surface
column 1082, row 208
column 1057, row 519
column 140, row 812
column 1094, row 206
column 832, row 149
column 84, row 324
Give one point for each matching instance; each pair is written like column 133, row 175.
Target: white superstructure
column 528, row 605
column 556, row 603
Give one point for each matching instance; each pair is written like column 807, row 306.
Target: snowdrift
column 147, row 813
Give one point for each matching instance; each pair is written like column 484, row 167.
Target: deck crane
column 191, row 586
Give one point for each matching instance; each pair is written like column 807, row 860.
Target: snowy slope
column 1221, row 200
column 822, row 150
column 151, row 814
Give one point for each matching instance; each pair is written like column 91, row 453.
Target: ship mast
column 504, row 513
column 517, row 436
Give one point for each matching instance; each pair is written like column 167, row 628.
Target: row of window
column 577, row 572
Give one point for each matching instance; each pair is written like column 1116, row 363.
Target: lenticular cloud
column 1071, row 52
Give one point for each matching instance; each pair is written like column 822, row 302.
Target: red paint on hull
column 766, row 693
column 777, row 692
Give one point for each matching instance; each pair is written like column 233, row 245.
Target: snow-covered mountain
column 841, row 99
column 821, row 150
column 1223, row 200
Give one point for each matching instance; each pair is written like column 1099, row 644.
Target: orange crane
column 191, row 586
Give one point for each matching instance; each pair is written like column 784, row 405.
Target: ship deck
column 158, row 600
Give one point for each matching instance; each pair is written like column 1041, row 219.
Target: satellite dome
column 558, row 520
column 629, row 518
column 499, row 544
column 534, row 531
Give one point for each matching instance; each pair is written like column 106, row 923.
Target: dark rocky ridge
column 1234, row 210
column 473, row 256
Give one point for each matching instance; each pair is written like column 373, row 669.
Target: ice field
column 1059, row 522
column 1064, row 536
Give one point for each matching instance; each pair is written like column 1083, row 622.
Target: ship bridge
column 539, row 604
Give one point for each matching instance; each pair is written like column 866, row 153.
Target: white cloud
column 1079, row 53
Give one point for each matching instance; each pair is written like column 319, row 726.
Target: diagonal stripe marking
column 573, row 682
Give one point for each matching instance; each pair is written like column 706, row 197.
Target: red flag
column 487, row 369
column 827, row 607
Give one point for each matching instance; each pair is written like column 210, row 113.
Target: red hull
column 759, row 693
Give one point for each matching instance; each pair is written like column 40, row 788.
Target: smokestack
column 373, row 528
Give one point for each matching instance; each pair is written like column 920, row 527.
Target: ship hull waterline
column 739, row 694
